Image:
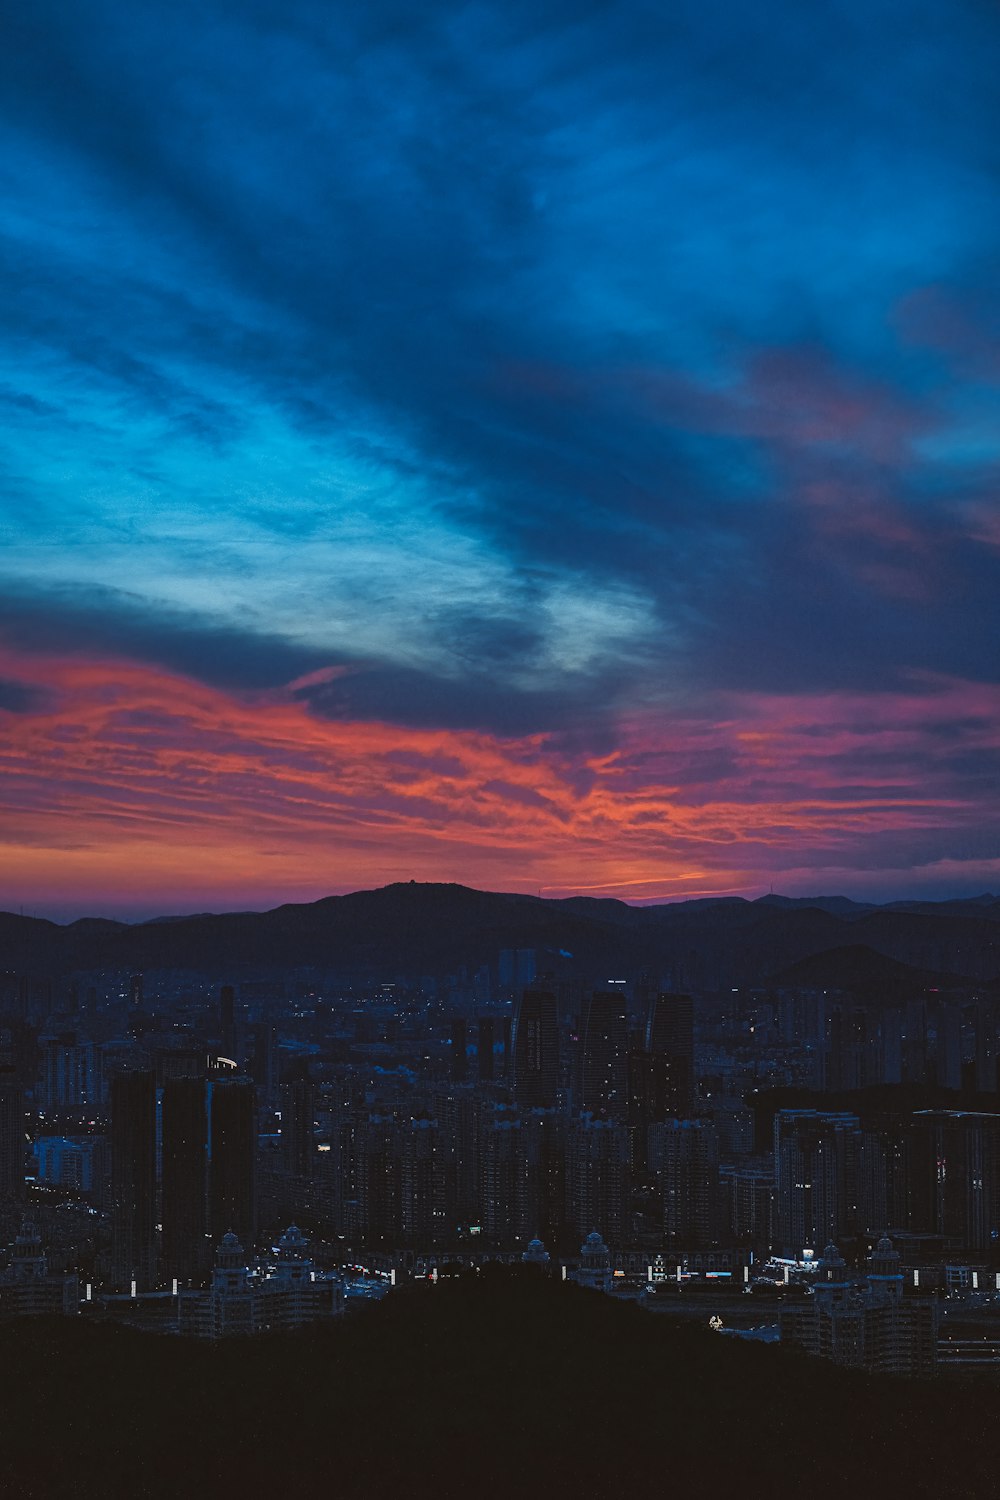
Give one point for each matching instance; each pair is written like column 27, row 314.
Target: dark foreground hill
column 503, row 1387
column 412, row 929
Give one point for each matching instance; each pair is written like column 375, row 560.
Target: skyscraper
column 233, row 1160
column 685, row 1156
column 458, row 1057
column 71, row 1072
column 670, row 1053
column 516, row 970
column 185, row 1250
column 298, row 1105
column 264, row 1064
column 133, row 1180
column 12, row 1139
column 379, row 1178
column 987, row 1046
column 535, row 1045
column 484, row 1050
column 597, row 1178
column 543, row 1137
column 954, row 1176
column 227, row 1020
column 503, row 1184
column 816, row 1164
column 604, row 1061
column 422, row 1183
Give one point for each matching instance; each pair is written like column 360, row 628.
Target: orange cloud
column 143, row 790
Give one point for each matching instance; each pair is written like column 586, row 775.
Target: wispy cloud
column 253, row 797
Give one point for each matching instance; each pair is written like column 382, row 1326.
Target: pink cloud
column 134, row 783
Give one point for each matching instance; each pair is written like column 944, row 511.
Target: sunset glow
column 150, row 792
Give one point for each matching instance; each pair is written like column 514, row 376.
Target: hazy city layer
column 780, row 1120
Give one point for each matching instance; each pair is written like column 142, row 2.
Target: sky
column 549, row 446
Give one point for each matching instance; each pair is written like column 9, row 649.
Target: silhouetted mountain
column 506, row 1386
column 97, row 926
column 841, row 906
column 986, row 905
column 188, row 916
column 862, row 971
column 412, row 929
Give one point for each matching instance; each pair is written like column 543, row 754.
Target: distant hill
column 503, row 1387
column 841, row 906
column 413, row 929
column 986, row 905
column 864, row 972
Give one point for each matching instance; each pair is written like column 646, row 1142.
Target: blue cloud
column 430, row 341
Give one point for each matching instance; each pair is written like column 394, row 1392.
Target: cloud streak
column 253, row 797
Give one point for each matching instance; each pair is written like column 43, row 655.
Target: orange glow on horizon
column 140, row 788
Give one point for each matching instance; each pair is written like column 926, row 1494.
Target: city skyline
column 549, row 451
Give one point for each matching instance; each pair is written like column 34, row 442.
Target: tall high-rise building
column 543, row 1137
column 816, row 1164
column 883, row 1178
column 852, row 1056
column 670, row 1054
column 685, row 1157
column 954, row 1176
column 227, row 1019
column 71, row 1072
column 264, row 1064
column 133, row 1180
column 405, row 1180
column 422, row 1183
column 987, row 1046
column 186, row 1249
column 298, row 1107
column 503, row 1187
column 522, row 1183
column 232, row 1201
column 516, row 970
column 484, row 1050
column 13, row 995
column 604, row 1057
column 12, row 1137
column 598, row 1178
column 749, row 1189
column 948, row 1051
column 379, row 1178
column 135, row 992
column 535, row 1043
column 458, row 1057
column 459, row 1112
column 914, row 1055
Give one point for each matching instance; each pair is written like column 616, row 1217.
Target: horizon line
column 579, row 892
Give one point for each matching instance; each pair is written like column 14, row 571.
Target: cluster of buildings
column 238, row 1301
column 27, row 1287
column 864, row 1321
column 414, row 1120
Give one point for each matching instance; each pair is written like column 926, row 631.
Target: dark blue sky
column 608, row 390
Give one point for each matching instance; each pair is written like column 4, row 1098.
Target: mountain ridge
column 413, row 929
